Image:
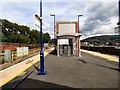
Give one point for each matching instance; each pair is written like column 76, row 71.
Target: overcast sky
column 98, row 17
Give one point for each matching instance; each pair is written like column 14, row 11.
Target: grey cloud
column 76, row 8
column 99, row 14
column 103, row 11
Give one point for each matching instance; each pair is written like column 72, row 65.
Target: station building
column 68, row 38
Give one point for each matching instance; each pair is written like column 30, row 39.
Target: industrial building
column 68, row 38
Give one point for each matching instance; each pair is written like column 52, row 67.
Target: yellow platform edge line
column 100, row 55
column 46, row 53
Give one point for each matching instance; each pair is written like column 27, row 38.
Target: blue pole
column 42, row 71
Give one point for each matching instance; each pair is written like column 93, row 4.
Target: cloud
column 59, row 1
column 19, row 12
column 99, row 18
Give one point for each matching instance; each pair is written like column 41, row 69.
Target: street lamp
column 54, row 23
column 119, row 12
column 78, row 21
column 42, row 71
column 119, row 28
column 79, row 38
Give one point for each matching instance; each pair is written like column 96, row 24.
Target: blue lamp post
column 54, row 23
column 79, row 32
column 42, row 71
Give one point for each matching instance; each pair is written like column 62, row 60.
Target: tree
column 46, row 37
column 12, row 32
column 2, row 36
column 24, row 39
column 34, row 36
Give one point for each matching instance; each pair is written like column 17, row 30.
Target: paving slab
column 87, row 71
column 10, row 73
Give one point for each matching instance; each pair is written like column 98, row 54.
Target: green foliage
column 34, row 36
column 2, row 36
column 12, row 32
column 103, row 39
column 46, row 37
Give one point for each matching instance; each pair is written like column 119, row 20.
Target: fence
column 15, row 57
column 13, row 46
column 103, row 49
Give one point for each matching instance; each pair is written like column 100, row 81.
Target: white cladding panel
column 19, row 52
column 67, row 28
column 22, row 51
column 25, row 50
column 7, row 55
column 63, row 41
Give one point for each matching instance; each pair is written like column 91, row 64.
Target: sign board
column 7, row 55
column 45, row 44
column 67, row 28
column 63, row 41
column 37, row 23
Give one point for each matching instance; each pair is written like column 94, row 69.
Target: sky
column 99, row 17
